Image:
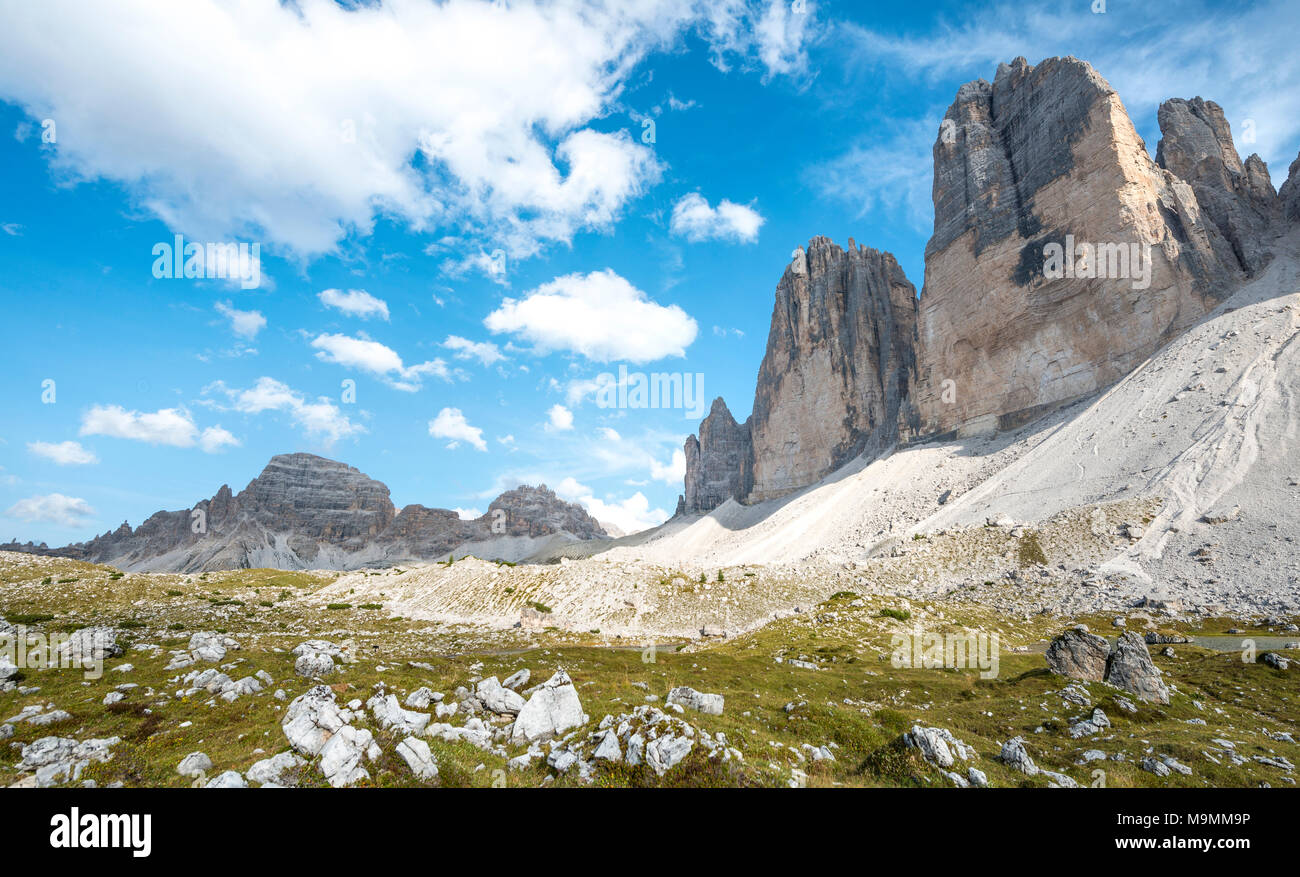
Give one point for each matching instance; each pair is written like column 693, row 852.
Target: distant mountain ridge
column 305, row 511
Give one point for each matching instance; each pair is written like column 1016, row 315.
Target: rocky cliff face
column 1289, row 194
column 1236, row 197
column 838, row 362
column 1046, row 156
column 307, row 511
column 720, row 463
column 1063, row 256
column 537, row 511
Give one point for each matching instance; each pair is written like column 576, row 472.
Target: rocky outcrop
column 1043, row 159
column 831, row 385
column 537, row 511
column 838, row 362
column 1237, row 198
column 1079, row 654
column 719, row 464
column 1062, row 257
column 307, row 511
column 1289, row 194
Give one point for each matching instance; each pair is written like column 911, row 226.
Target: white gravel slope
column 1208, row 423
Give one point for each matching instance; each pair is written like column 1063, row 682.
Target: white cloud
column 469, row 114
column 451, row 424
column 559, row 419
column 631, row 514
column 696, row 221
column 599, row 315
column 214, row 438
column 781, row 35
column 320, row 419
column 245, row 324
column 168, row 426
column 609, row 434
column 64, row 453
column 355, row 303
column 674, row 472
column 579, row 389
column 468, row 514
column 773, row 31
column 890, row 173
column 378, row 360
column 484, row 351
column 54, row 508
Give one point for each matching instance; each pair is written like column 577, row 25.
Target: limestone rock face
column 537, row 511
column 1043, row 153
column 1237, row 198
column 1289, row 194
column 1079, row 654
column 1130, row 667
column 305, row 511
column 838, row 362
column 719, row 464
column 831, row 385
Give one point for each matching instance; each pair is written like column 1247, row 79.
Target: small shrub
column 337, row 606
column 899, row 614
column 1031, row 553
column 28, row 617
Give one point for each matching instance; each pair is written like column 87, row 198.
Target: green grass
column 857, row 701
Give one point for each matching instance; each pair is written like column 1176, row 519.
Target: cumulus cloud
column 559, row 419
column 174, row 427
column 451, row 424
column 63, row 453
column 355, row 303
column 54, row 508
column 485, row 352
column 245, row 324
column 215, row 438
column 467, row 514
column 774, row 33
column 672, row 472
column 598, row 315
column 378, row 360
column 320, row 419
column 696, row 221
column 630, row 514
column 332, row 114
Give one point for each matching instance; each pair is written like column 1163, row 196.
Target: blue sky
column 379, row 156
